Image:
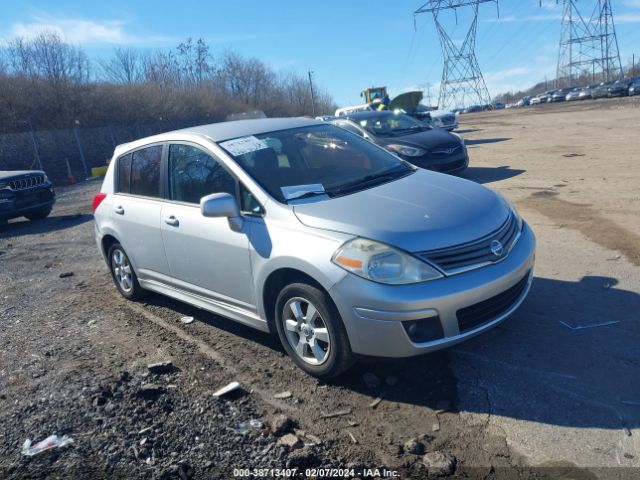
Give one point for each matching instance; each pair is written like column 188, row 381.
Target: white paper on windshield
column 240, row 146
column 295, row 191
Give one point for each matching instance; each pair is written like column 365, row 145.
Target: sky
column 347, row 44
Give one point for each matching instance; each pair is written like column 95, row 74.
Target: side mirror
column 222, row 205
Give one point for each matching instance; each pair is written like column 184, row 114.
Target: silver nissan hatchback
column 302, row 228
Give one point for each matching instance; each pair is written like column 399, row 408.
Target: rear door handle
column 119, row 210
column 173, row 221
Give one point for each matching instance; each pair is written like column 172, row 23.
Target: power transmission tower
column 462, row 82
column 588, row 45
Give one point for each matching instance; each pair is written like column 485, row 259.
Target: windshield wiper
column 369, row 179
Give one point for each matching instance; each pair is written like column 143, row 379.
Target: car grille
column 490, row 309
column 445, row 150
column 475, row 254
column 26, row 183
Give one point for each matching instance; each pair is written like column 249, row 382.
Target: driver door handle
column 173, row 221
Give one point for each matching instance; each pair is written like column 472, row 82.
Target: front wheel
column 39, row 214
column 311, row 331
column 123, row 274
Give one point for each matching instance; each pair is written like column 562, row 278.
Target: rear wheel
column 39, row 214
column 123, row 274
column 311, row 331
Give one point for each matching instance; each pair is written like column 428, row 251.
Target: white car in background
column 444, row 119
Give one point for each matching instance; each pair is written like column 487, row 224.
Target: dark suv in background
column 25, row 194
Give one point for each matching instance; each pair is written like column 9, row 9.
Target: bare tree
column 47, row 57
column 48, row 81
column 202, row 60
column 161, row 69
column 21, row 57
column 248, row 80
column 125, row 66
column 4, row 66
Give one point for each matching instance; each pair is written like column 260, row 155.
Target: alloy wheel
column 122, row 271
column 306, row 331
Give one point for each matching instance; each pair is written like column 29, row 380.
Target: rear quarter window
column 124, row 173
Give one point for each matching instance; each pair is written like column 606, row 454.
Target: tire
column 122, row 273
column 39, row 214
column 317, row 345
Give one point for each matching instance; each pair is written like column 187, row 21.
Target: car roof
column 241, row 128
column 219, row 132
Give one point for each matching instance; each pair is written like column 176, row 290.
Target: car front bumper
column 16, row 204
column 443, row 164
column 450, row 126
column 374, row 313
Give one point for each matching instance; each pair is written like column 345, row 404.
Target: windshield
column 391, row 125
column 316, row 160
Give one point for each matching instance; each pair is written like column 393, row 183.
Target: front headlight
column 381, row 263
column 459, row 138
column 406, row 150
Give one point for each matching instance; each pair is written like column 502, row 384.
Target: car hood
column 6, row 174
column 428, row 139
column 423, row 211
column 407, row 101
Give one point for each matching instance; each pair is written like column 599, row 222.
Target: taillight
column 97, row 200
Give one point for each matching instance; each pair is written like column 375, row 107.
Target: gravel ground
column 549, row 394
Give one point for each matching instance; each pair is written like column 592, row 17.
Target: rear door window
column 145, row 171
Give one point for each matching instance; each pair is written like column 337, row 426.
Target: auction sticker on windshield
column 242, row 145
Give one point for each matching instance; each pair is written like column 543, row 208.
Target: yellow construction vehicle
column 377, row 98
column 374, row 94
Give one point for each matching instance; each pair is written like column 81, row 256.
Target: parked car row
column 614, row 88
column 476, row 108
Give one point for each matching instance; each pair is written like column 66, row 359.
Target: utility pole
column 462, row 82
column 588, row 44
column 313, row 97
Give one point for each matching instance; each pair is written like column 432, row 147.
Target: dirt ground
column 553, row 392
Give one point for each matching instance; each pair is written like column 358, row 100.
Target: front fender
column 305, row 250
